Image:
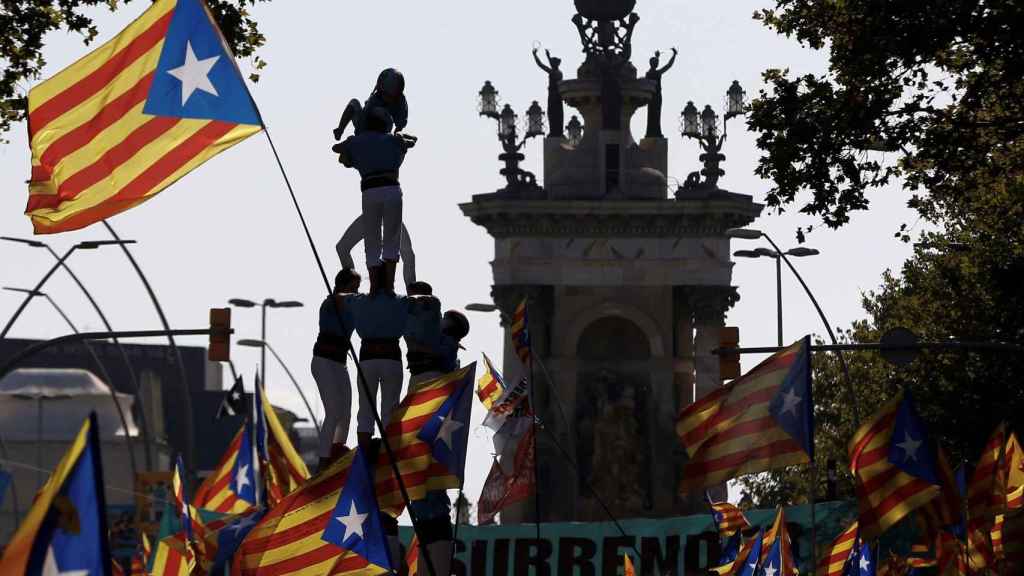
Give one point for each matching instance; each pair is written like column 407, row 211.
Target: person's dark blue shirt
column 374, row 153
column 336, row 321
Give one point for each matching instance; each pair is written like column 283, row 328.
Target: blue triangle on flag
column 909, row 448
column 447, row 431
column 355, row 524
column 792, row 407
column 196, row 76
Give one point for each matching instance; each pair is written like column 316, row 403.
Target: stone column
column 709, row 305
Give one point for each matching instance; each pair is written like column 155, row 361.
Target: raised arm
column 539, row 63
column 670, row 62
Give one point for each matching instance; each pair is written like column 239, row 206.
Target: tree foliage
column 962, row 283
column 927, row 95
column 26, row 23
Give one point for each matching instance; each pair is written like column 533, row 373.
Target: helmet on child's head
column 455, row 324
column 391, row 82
column 378, row 120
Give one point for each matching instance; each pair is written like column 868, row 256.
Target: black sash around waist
column 331, row 346
column 379, row 180
column 380, row 349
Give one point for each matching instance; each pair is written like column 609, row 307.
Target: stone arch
column 614, row 309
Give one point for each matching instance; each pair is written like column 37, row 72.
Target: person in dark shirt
column 380, row 321
column 378, row 156
column 329, row 365
column 433, row 512
column 422, row 334
column 388, row 93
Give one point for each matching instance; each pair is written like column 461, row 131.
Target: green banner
column 670, row 546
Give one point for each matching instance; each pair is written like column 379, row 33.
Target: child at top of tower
column 377, row 155
column 388, row 93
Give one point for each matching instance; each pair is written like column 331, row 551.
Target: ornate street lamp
column 735, row 100
column 488, row 100
column 690, row 120
column 534, row 120
column 574, row 129
column 703, row 127
column 517, row 178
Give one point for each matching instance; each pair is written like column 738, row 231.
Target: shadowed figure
column 654, row 108
column 556, row 113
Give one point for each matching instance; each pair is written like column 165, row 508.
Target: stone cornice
column 707, row 214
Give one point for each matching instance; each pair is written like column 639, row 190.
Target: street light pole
column 778, row 294
column 263, row 344
column 267, row 303
column 133, row 379
column 776, row 255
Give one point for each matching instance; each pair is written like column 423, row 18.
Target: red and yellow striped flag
column 1015, row 499
column 215, row 492
column 521, row 333
column 289, row 539
column 415, row 460
column 285, row 471
column 729, row 519
column 757, row 422
column 627, row 564
column 838, row 554
column 133, row 116
column 1014, row 463
column 778, row 530
column 887, row 492
column 173, row 557
column 140, row 560
column 986, row 491
column 489, row 387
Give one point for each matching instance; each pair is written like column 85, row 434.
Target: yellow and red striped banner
column 108, row 132
column 837, row 555
column 489, row 387
column 215, row 492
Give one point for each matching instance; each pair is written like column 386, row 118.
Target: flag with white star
column 894, row 465
column 133, row 116
column 226, row 535
column 447, row 431
column 774, row 563
column 355, row 524
column 243, row 477
column 746, row 564
column 759, row 421
column 233, row 402
column 863, row 562
column 65, row 531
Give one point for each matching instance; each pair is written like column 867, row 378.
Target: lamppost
column 264, row 345
column 750, row 234
column 103, row 372
column 799, row 252
column 90, row 245
column 267, row 303
column 517, row 178
column 703, row 127
column 146, row 436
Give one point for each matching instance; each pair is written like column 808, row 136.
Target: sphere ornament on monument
column 605, row 9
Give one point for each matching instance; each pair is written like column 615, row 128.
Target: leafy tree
column 962, row 283
column 937, row 85
column 25, row 24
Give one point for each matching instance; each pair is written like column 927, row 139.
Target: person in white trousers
column 380, row 321
column 378, row 155
column 329, row 366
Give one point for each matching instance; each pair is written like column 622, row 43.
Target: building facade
column 627, row 288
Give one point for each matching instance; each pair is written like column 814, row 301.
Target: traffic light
column 220, row 335
column 728, row 363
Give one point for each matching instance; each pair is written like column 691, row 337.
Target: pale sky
column 228, row 229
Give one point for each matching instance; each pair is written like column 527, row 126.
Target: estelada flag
column 412, row 557
column 490, row 386
column 289, row 538
column 133, row 116
column 895, row 466
column 777, row 539
column 728, row 518
column 1014, row 463
column 627, row 564
column 282, row 468
column 65, row 531
column 838, row 554
column 760, row 421
column 218, row 491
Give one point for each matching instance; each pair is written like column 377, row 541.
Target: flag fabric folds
column 760, row 421
column 218, row 491
column 65, row 531
column 986, row 491
column 140, row 560
column 729, row 519
column 490, row 385
column 233, row 402
column 500, row 489
column 281, row 465
column 1014, row 463
column 173, row 557
column 356, row 524
column 746, row 560
column 447, row 432
column 412, row 557
column 133, row 116
column 862, row 563
column 627, row 566
column 778, row 536
column 838, row 554
column 289, row 538
column 894, row 466
column 414, row 457
column 521, row 333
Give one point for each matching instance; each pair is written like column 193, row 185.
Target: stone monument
column 627, row 290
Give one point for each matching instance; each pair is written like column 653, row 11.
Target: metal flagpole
column 361, row 378
column 533, row 423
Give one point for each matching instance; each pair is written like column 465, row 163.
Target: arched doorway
column 613, row 432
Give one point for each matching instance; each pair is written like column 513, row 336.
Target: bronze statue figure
column 556, row 113
column 654, row 108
